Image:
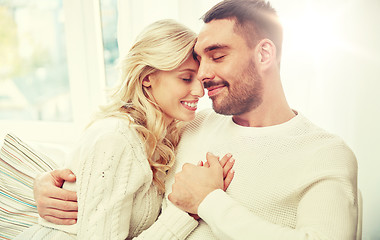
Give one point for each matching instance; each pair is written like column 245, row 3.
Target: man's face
column 227, row 68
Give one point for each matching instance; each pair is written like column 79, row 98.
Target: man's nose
column 205, row 72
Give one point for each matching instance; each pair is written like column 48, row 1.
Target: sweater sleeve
column 327, row 210
column 173, row 223
column 105, row 190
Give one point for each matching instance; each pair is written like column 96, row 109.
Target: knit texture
column 116, row 195
column 292, row 181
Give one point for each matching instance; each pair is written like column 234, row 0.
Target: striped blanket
column 19, row 165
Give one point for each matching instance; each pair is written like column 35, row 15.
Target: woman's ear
column 147, row 82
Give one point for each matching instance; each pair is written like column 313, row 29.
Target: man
column 292, row 179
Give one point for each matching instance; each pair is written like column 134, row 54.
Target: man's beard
column 243, row 96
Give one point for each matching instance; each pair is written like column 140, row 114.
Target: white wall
column 335, row 80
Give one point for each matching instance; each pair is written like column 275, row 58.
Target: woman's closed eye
column 187, row 77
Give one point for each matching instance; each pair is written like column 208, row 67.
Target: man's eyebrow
column 211, row 48
column 215, row 47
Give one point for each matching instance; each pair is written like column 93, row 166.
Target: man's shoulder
column 327, row 149
column 321, row 133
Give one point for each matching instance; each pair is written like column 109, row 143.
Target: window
column 109, row 13
column 52, row 76
column 34, row 82
column 61, row 54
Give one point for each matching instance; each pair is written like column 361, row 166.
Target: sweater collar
column 278, row 129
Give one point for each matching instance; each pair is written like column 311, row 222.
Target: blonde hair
column 162, row 46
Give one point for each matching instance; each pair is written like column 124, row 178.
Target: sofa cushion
column 19, row 165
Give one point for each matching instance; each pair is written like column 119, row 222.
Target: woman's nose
column 197, row 88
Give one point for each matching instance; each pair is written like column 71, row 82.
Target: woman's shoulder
column 111, row 124
column 110, row 128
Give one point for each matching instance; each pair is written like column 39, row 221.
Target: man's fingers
column 228, row 166
column 225, row 159
column 60, row 221
column 60, row 205
column 63, row 194
column 61, row 214
column 206, row 164
column 228, row 179
column 63, row 175
column 228, row 172
column 212, row 159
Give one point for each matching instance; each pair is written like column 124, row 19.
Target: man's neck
column 264, row 117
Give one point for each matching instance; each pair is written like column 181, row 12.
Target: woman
column 124, row 154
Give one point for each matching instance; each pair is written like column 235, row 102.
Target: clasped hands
column 191, row 186
column 194, row 183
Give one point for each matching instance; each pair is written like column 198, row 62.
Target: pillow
column 19, row 165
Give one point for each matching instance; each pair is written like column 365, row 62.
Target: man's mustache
column 215, row 83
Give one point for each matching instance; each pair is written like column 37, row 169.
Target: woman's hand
column 227, row 162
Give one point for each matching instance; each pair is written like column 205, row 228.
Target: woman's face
column 177, row 91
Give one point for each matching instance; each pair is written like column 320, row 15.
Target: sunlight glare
column 312, row 33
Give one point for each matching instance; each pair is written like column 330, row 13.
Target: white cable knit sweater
column 292, row 181
column 116, row 196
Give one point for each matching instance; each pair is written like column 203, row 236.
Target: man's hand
column 194, row 183
column 55, row 204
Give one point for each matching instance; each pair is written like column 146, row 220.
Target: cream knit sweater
column 116, row 196
column 292, row 181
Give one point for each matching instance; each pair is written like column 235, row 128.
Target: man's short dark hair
column 254, row 20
